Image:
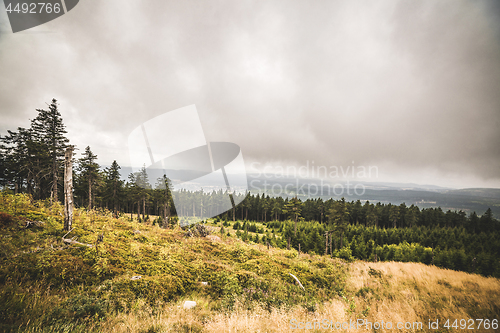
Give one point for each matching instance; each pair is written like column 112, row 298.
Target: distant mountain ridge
column 423, row 196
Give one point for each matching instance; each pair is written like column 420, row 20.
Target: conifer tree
column 50, row 131
column 114, row 186
column 25, row 161
column 338, row 216
column 142, row 182
column 294, row 208
column 394, row 215
column 88, row 173
column 164, row 188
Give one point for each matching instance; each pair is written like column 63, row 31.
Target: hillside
column 50, row 286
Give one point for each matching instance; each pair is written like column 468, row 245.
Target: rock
column 199, row 230
column 189, row 304
column 202, row 230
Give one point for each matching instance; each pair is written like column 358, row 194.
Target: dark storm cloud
column 410, row 86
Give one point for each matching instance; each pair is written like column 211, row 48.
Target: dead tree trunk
column 68, row 189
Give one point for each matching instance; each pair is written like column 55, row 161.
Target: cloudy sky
column 410, row 87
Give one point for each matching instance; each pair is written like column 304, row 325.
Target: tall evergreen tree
column 113, row 186
column 277, row 207
column 338, row 216
column 143, row 185
column 394, row 215
column 88, row 173
column 25, row 161
column 164, row 188
column 293, row 208
column 49, row 130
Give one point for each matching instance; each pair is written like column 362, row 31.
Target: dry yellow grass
column 389, row 292
column 415, row 292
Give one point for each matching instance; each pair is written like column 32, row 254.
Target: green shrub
column 344, row 253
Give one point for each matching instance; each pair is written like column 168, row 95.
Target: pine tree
column 294, row 208
column 412, row 216
column 487, row 222
column 133, row 194
column 370, row 214
column 24, row 161
column 473, row 225
column 164, row 189
column 277, row 207
column 338, row 216
column 49, row 130
column 88, row 173
column 114, row 186
column 394, row 215
column 142, row 182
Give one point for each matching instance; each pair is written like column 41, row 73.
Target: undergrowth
column 137, row 278
column 48, row 285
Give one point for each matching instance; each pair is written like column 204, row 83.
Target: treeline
column 378, row 232
column 264, row 208
column 446, row 247
column 31, row 161
column 31, row 158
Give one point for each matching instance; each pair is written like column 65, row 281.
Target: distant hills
column 423, row 196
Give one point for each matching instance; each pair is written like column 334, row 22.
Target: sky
column 412, row 88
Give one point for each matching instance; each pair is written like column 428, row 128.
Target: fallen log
column 30, row 224
column 73, row 240
column 300, row 284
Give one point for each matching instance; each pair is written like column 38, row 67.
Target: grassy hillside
column 50, row 286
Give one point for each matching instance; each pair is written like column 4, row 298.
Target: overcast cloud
column 411, row 87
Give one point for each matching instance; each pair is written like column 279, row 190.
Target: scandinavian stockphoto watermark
column 26, row 14
column 170, row 152
column 310, row 179
column 364, row 324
